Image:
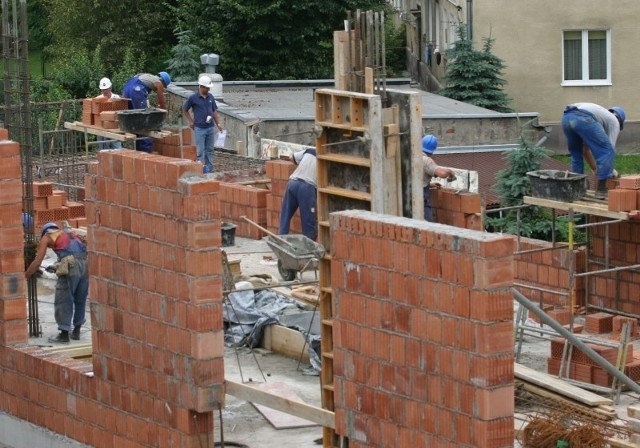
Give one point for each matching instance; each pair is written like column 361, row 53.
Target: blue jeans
column 70, row 298
column 581, row 127
column 138, row 95
column 428, row 212
column 204, row 144
column 108, row 144
column 299, row 194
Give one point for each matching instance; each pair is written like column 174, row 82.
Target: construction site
column 207, row 328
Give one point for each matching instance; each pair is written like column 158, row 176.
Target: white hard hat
column 204, row 81
column 105, row 83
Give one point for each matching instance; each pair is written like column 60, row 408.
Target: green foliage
column 473, row 76
column 131, row 65
column 184, row 65
column 512, row 185
column 624, row 163
column 77, row 72
column 395, row 45
column 47, row 91
column 114, row 27
column 279, row 39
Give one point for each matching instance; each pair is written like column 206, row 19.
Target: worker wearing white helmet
column 204, row 122
column 105, row 86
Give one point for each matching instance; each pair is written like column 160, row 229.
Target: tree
column 473, row 76
column 144, row 26
column 184, row 65
column 270, row 39
column 512, row 184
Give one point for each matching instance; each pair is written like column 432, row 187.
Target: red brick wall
column 457, row 209
column 244, row 200
column 621, row 290
column 548, row 270
column 423, row 333
column 156, row 308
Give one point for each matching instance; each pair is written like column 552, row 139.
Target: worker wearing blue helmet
column 431, row 170
column 72, row 288
column 598, row 128
column 137, row 89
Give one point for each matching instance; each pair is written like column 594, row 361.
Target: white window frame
column 585, row 81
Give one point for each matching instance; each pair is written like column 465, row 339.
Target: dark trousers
column 302, row 195
column 428, row 213
column 138, row 96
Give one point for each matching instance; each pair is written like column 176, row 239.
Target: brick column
column 156, row 295
column 423, row 333
column 13, row 303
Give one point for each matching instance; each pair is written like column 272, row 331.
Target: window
column 586, row 57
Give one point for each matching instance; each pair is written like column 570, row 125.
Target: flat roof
column 270, row 102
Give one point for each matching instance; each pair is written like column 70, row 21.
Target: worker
column 598, row 128
column 105, row 86
column 72, row 287
column 431, row 170
column 301, row 193
column 137, row 90
column 204, row 122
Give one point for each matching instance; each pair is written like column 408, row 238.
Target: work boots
column 62, row 338
column 75, row 334
column 601, row 192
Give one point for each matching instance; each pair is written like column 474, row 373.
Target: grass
column 625, row 163
column 35, row 64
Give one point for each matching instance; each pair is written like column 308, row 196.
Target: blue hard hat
column 619, row 113
column 48, row 226
column 429, row 144
column 166, row 79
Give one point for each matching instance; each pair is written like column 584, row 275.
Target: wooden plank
column 73, row 351
column 347, row 159
column 557, row 385
column 368, row 80
column 96, row 130
column 589, row 208
column 279, row 419
column 303, row 410
column 353, row 194
column 285, row 341
column 596, row 412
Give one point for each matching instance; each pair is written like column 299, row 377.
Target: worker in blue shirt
column 204, row 121
column 137, row 90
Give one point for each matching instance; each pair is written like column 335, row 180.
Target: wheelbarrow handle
column 268, row 232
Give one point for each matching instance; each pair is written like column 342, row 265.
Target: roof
column 487, row 164
column 296, row 103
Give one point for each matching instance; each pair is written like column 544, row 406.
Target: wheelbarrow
column 296, row 253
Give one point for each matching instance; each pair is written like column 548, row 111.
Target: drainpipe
column 470, row 19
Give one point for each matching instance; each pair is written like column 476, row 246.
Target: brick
column 42, row 189
column 622, row 200
column 598, row 323
column 629, row 182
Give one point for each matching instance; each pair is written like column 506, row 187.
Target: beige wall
column 528, row 38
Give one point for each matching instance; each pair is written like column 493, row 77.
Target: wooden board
column 557, row 385
column 307, row 294
column 285, row 341
column 72, row 351
column 278, row 419
column 586, row 207
column 113, row 134
column 265, row 398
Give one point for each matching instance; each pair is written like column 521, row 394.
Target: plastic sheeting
column 246, row 314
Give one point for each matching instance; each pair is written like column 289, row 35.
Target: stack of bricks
column 244, row 200
column 53, row 205
column 583, row 368
column 92, row 108
column 620, row 290
column 279, row 171
column 423, row 333
column 176, row 146
column 457, row 209
column 13, row 309
column 598, row 323
column 626, row 196
column 548, row 270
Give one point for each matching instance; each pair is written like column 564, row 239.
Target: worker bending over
column 301, row 193
column 598, row 128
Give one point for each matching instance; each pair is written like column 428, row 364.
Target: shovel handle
column 268, row 232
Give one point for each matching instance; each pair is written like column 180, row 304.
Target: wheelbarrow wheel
column 287, row 275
